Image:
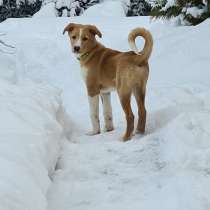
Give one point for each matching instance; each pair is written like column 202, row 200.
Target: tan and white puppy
column 104, row 69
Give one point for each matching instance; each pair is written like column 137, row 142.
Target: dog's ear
column 94, row 30
column 69, row 27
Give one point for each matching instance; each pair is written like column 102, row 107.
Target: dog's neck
column 82, row 56
column 85, row 57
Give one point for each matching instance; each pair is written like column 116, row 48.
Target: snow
column 103, row 9
column 195, row 12
column 63, row 3
column 46, row 11
column 170, row 3
column 152, row 2
column 167, row 168
column 32, row 127
column 18, row 2
column 29, row 143
column 106, row 9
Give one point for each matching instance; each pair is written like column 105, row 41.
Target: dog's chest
column 84, row 72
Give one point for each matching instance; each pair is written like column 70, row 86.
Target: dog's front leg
column 94, row 114
column 107, row 110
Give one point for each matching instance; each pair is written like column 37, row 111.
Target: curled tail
column 143, row 55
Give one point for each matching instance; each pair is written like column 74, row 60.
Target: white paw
column 108, row 128
column 92, row 133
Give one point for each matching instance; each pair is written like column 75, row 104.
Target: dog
column 105, row 69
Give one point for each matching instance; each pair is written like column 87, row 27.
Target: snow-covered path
column 168, row 167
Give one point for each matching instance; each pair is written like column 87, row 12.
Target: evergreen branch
column 180, row 8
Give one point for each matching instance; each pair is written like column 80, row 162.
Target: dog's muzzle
column 76, row 49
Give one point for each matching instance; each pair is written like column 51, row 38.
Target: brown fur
column 126, row 71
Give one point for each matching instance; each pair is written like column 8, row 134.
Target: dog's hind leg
column 107, row 111
column 139, row 93
column 94, row 114
column 125, row 102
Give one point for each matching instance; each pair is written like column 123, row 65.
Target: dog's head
column 82, row 37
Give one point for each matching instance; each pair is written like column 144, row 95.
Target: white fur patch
column 77, row 55
column 94, row 113
column 84, row 73
column 107, row 90
column 107, row 110
column 78, row 42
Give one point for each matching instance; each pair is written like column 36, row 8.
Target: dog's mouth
column 76, row 52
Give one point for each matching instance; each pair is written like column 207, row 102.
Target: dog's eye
column 85, row 39
column 73, row 37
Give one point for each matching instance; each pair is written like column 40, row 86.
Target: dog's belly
column 107, row 90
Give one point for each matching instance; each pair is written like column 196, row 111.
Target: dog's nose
column 76, row 48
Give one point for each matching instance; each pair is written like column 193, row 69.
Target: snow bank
column 29, row 143
column 46, row 11
column 9, row 72
column 106, row 9
column 31, row 130
column 180, row 54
